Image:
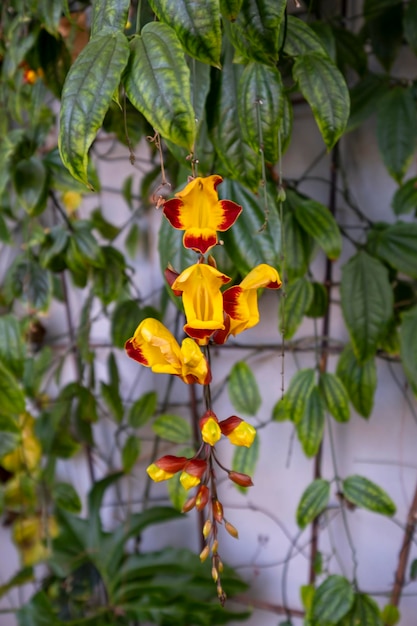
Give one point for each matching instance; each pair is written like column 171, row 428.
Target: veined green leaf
column 367, row 495
column 299, row 245
column 143, row 409
column 196, row 24
column 109, row 16
column 333, row 600
column 320, row 301
column 236, row 157
column 410, row 24
column 405, row 198
column 243, row 389
column 261, row 108
column 310, row 427
column 176, row 492
column 325, row 90
column 367, row 301
column 66, row 497
column 408, row 346
column 86, row 96
column 245, row 459
column 365, row 97
column 301, row 39
column 50, row 12
column 397, row 130
column 313, row 502
column 359, row 380
column 298, row 393
column 172, row 428
column 350, row 51
column 396, row 245
column 335, row 396
column 246, row 243
column 298, row 299
column 256, row 29
column 130, row 453
column 10, row 432
column 12, row 399
column 365, row 612
column 318, row 222
column 157, row 83
column 12, row 346
column 230, row 9
column 29, row 178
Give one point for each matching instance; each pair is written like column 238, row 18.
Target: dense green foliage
column 214, row 85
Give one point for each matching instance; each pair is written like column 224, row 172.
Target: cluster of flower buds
column 200, row 471
column 212, row 315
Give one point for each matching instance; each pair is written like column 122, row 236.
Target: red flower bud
column 241, row 479
column 217, row 511
column 202, row 497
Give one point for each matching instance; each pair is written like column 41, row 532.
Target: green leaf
column 197, row 26
column 243, row 389
column 230, row 8
column 157, row 83
column 335, row 396
column 359, row 380
column 109, row 281
column 236, row 157
column 397, row 130
column 177, row 494
column 408, row 346
column 12, row 346
column 320, row 301
column 365, row 611
column 246, row 243
column 405, row 198
column 310, row 427
column 23, row 576
column 261, row 108
column 313, row 502
column 280, row 411
column 256, row 29
column 111, row 397
column 109, row 16
column 365, row 97
column 125, row 318
column 410, row 24
column 301, row 39
column 244, row 461
column 324, row 88
column 390, row 615
column 298, row 299
column 143, row 409
column 332, row 600
column 65, row 496
column 367, row 495
column 396, row 245
column 86, row 96
column 172, row 428
column 299, row 392
column 413, row 570
column 12, row 399
column 10, row 433
column 50, row 12
column 373, row 8
column 29, row 179
column 350, row 51
column 385, row 32
column 318, row 222
column 130, row 453
column 367, row 301
column 298, row 244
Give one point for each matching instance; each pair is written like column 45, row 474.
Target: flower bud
column 243, row 480
column 189, row 504
column 214, row 574
column 214, row 547
column 217, row 511
column 202, row 497
column 239, row 432
column 207, row 528
column 204, row 554
column 231, row 530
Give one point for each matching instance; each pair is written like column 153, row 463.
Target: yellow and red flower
column 192, row 473
column 198, row 211
column 203, row 301
column 210, row 429
column 240, row 303
column 166, row 467
column 238, row 432
column 154, row 346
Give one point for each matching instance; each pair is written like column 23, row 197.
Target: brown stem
column 324, row 355
column 404, row 552
column 195, row 418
